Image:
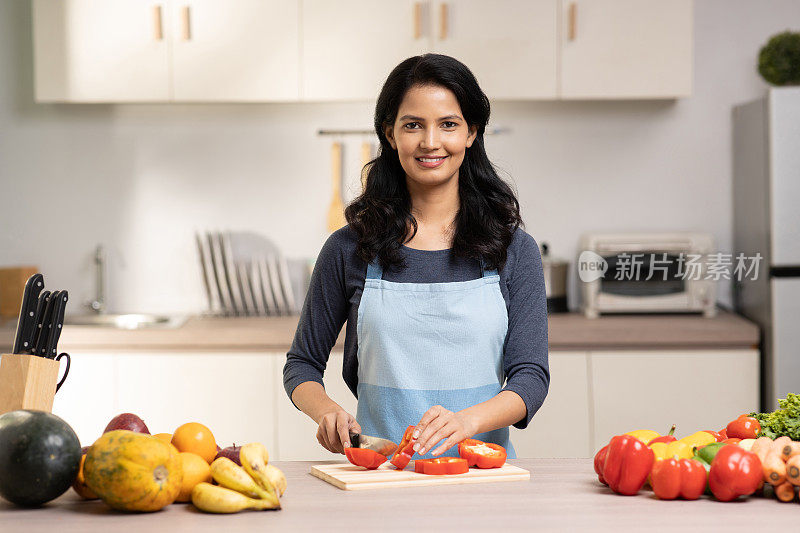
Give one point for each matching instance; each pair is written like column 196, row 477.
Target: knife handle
column 44, row 325
column 27, row 313
column 37, row 326
column 56, row 324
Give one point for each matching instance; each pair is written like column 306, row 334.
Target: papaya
column 133, row 471
column 79, row 485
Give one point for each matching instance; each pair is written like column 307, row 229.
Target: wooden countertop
column 567, row 331
column 562, row 495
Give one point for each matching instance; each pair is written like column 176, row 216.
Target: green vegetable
column 783, row 422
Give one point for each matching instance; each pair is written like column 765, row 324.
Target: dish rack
column 245, row 274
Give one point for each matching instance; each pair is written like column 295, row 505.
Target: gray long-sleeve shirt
column 335, row 291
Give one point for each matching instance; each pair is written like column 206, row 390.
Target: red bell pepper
column 669, row 437
column 482, row 454
column 723, row 433
column 369, row 459
column 673, row 478
column 405, row 451
column 599, row 461
column 441, row 466
column 732, row 441
column 744, row 427
column 627, row 465
column 734, row 472
column 715, row 434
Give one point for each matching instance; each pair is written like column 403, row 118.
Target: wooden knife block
column 27, row 382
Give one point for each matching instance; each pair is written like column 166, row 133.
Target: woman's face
column 430, row 125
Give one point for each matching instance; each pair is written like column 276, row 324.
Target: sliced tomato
column 482, row 454
column 405, row 451
column 441, row 466
column 369, row 459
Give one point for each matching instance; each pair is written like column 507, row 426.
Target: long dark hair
column 488, row 214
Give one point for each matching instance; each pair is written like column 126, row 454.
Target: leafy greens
column 784, row 421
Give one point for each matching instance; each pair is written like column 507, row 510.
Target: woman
column 436, row 337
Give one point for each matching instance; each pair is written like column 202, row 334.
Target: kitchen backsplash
column 143, row 178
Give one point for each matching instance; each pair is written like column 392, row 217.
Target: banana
column 213, row 499
column 277, row 478
column 232, row 476
column 254, row 457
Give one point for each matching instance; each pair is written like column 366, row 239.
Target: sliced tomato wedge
column 369, row 459
column 405, row 450
column 482, row 454
column 441, row 466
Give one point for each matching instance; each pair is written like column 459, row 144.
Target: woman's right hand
column 334, row 430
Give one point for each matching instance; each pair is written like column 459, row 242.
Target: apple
column 127, row 421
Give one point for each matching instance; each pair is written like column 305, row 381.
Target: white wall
column 142, row 178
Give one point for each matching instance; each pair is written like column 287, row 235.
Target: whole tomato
column 744, row 427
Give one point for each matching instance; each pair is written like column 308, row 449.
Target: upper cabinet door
column 510, row 45
column 100, row 51
column 236, row 50
column 626, row 49
column 351, row 46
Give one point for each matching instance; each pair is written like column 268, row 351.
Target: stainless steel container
column 555, row 281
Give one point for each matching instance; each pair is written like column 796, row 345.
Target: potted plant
column 779, row 59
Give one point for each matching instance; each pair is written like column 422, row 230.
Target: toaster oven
column 646, row 273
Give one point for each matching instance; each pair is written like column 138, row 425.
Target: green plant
column 779, row 59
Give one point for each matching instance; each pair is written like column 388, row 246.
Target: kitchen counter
column 562, row 495
column 567, row 331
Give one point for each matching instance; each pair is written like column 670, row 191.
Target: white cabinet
column 109, row 51
column 350, row 46
column 561, row 427
column 510, row 45
column 297, row 438
column 168, row 50
column 695, row 390
column 235, row 51
column 626, row 49
column 87, row 400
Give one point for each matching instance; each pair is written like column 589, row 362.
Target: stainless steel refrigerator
column 766, row 220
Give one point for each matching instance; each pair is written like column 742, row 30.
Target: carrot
column 774, row 469
column 793, row 470
column 795, row 449
column 785, row 492
column 761, row 446
column 782, row 445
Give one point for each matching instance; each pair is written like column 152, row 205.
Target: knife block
column 27, row 382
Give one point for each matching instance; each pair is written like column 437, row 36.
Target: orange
column 196, row 438
column 166, row 437
column 195, row 470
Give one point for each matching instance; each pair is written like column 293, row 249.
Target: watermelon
column 40, row 456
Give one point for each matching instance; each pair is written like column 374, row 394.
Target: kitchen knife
column 27, row 313
column 56, row 324
column 382, row 446
column 40, row 306
column 44, row 325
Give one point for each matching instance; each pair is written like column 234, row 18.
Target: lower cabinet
column 695, row 390
column 562, row 426
column 593, row 396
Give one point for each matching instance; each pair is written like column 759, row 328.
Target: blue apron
column 426, row 344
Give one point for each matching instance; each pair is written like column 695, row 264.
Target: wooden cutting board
column 350, row 477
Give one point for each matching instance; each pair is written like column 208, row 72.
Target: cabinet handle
column 417, row 20
column 186, row 28
column 158, row 28
column 573, row 19
column 443, row 22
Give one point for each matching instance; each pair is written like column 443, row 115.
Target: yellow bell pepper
column 701, row 438
column 644, row 435
column 668, row 450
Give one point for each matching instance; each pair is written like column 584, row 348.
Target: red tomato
column 744, row 427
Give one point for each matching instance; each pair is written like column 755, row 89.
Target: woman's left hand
column 438, row 423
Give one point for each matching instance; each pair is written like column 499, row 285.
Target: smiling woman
column 442, row 291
